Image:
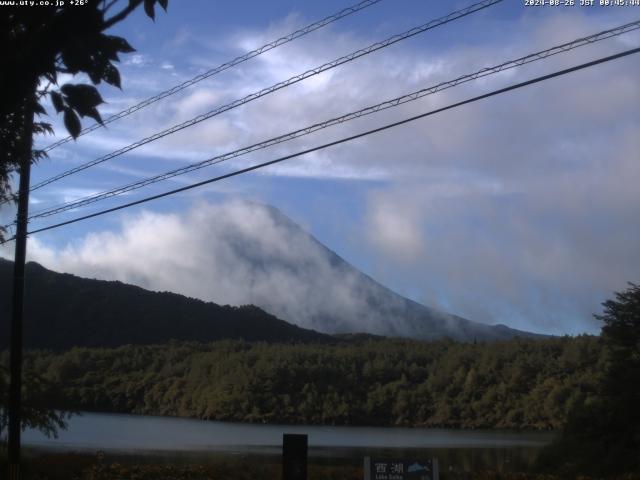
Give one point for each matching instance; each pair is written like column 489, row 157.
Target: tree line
column 523, row 384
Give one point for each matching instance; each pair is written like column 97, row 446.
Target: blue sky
column 521, row 209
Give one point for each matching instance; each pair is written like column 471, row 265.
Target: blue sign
column 400, row 469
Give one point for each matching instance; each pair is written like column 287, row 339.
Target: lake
column 177, row 438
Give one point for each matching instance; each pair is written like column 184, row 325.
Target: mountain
column 240, row 253
column 63, row 310
column 324, row 292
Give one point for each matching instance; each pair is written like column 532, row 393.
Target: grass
column 81, row 466
column 74, row 466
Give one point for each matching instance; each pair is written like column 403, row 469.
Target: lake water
column 173, row 438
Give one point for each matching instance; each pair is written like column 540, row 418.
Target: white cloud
column 395, row 228
column 541, row 254
column 137, row 60
column 230, row 253
column 519, row 209
column 195, row 102
column 366, row 81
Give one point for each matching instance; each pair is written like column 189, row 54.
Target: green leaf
column 120, row 44
column 58, row 102
column 79, row 52
column 112, row 76
column 72, row 122
column 39, row 109
column 109, row 47
column 72, row 59
column 149, row 9
column 37, row 155
column 164, row 4
column 42, row 127
column 81, row 97
column 93, row 113
column 95, row 75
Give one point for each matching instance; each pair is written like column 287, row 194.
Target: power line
column 343, row 140
column 220, row 68
column 533, row 57
column 261, row 93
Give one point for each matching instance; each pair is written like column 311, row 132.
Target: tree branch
column 124, row 13
column 44, row 91
column 107, row 6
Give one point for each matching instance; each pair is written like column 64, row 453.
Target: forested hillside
column 63, row 311
column 529, row 384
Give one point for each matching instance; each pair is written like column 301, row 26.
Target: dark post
column 17, row 306
column 294, row 457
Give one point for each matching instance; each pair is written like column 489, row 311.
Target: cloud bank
column 232, row 253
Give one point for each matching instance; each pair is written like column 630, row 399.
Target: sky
column 521, row 209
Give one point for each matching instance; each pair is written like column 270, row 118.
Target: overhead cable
column 533, row 57
column 342, row 140
column 286, row 83
column 220, row 68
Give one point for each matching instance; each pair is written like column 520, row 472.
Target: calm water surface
column 101, row 431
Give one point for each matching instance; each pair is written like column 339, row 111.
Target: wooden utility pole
column 17, row 306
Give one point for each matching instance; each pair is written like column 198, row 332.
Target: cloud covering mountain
column 245, row 253
column 521, row 209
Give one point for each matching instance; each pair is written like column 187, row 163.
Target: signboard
column 400, row 469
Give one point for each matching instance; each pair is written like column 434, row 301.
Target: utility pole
column 17, row 306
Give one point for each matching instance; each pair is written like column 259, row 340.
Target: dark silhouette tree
column 39, row 392
column 621, row 383
column 38, row 43
column 602, row 437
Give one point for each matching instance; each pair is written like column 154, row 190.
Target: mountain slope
column 62, row 311
column 242, row 254
column 351, row 301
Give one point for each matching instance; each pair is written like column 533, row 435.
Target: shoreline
column 488, row 430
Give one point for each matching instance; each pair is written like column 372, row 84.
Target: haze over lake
column 138, row 438
column 139, row 432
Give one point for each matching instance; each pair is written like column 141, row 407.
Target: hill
column 251, row 254
column 328, row 294
column 244, row 253
column 63, row 310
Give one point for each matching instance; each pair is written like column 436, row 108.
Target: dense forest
column 585, row 387
column 527, row 384
column 63, row 311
